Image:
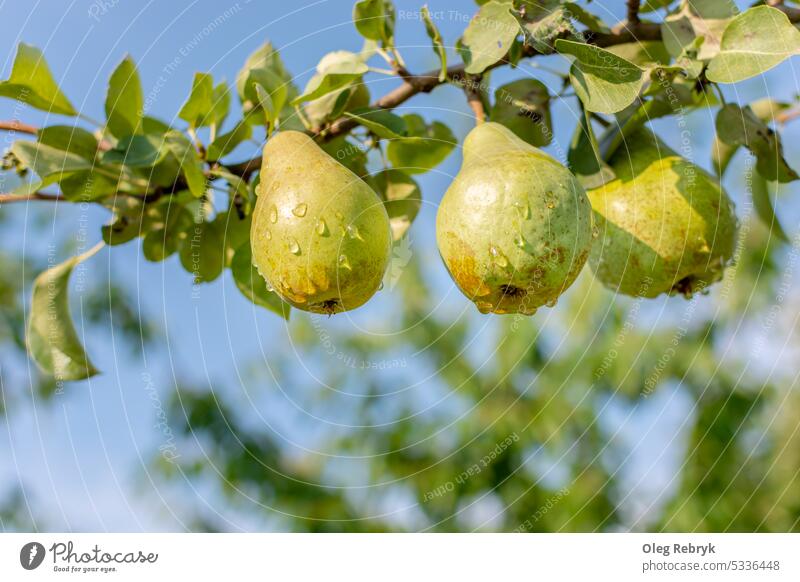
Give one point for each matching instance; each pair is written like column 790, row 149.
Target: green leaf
column 191, row 165
column 203, row 251
column 488, row 37
column 417, row 156
column 545, row 22
column 267, row 107
column 221, row 98
column 754, row 42
column 162, row 242
column 198, row 106
column 741, row 127
column 721, row 153
column 604, row 82
column 642, row 53
column 524, row 107
column 381, row 122
column 374, row 20
column 87, row 186
column 137, row 151
column 32, row 82
column 589, row 20
column 46, row 160
column 266, row 68
column 252, row 284
column 124, row 100
column 697, row 20
column 227, row 142
column 335, row 71
column 69, row 139
column 51, row 338
column 436, row 40
column 762, row 202
column 348, row 153
column 584, row 156
column 402, row 199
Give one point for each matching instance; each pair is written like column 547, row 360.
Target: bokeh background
column 603, row 413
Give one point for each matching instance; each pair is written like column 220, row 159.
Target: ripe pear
column 664, row 225
column 320, row 235
column 514, row 228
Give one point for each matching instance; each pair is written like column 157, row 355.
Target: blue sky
column 88, row 455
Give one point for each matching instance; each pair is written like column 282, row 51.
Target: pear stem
column 472, row 88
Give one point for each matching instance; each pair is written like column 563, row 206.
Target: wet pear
column 514, row 228
column 664, row 225
column 320, row 235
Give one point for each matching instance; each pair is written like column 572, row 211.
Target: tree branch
column 633, row 11
column 18, row 126
column 473, row 92
column 35, row 196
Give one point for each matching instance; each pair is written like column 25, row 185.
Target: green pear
column 664, row 225
column 320, row 235
column 514, row 228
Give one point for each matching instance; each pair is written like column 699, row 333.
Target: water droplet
column 273, row 214
column 294, row 248
column 338, row 215
column 322, row 228
column 520, row 241
column 353, row 232
column 524, row 209
column 550, row 200
column 552, row 302
column 595, row 232
column 268, row 235
column 300, row 210
column 344, row 263
column 380, row 287
column 498, row 256
column 270, row 288
column 484, row 306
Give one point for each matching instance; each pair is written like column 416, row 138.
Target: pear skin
column 321, row 236
column 664, row 224
column 514, row 228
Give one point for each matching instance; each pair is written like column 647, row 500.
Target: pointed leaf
column 252, row 284
column 604, row 82
column 197, row 108
column 488, row 37
column 124, row 100
column 754, row 42
column 436, row 40
column 51, row 338
column 32, row 82
column 762, row 202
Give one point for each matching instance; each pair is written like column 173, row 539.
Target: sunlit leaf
column 374, row 20
column 488, row 37
column 436, row 41
column 124, row 100
column 414, row 155
column 604, row 82
column 754, row 42
column 32, row 82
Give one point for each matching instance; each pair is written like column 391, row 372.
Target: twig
column 633, row 11
column 35, row 196
column 472, row 89
column 18, row 126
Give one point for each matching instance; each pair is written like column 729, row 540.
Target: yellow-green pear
column 664, row 224
column 514, row 228
column 320, row 234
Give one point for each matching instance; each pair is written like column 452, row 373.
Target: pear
column 514, row 228
column 320, row 236
column 664, row 225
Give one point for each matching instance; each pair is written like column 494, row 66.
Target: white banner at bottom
column 417, row 557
